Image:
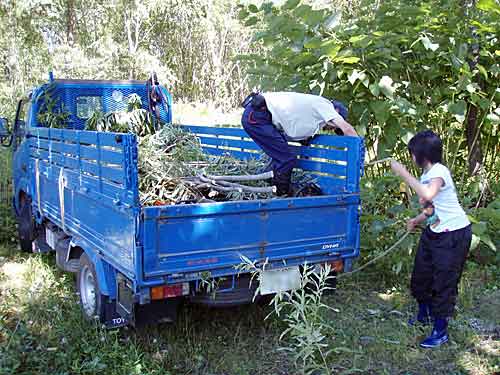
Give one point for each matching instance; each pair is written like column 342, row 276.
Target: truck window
column 86, row 106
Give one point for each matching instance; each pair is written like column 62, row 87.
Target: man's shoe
column 436, row 339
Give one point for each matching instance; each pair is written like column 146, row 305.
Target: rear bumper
column 224, row 271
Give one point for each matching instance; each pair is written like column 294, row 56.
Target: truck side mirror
column 5, row 134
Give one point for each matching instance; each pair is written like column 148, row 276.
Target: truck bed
column 87, row 184
column 181, row 242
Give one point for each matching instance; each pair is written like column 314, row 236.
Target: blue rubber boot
column 424, row 315
column 439, row 334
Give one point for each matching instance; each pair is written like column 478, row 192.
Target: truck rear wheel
column 25, row 224
column 91, row 299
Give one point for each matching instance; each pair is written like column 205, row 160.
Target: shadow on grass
column 42, row 331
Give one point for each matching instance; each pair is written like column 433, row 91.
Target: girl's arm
column 424, row 191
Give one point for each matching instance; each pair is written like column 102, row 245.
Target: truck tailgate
column 182, row 241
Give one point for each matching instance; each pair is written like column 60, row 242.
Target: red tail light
column 169, row 291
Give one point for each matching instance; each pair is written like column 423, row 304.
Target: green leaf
column 333, row 21
column 405, row 107
column 348, row 59
column 487, row 240
column 458, row 109
column 479, row 228
column 474, row 242
column 428, row 44
column 407, row 136
column 314, row 17
column 242, row 14
column 301, row 10
column 315, row 42
column 483, row 71
column 253, row 8
column 381, row 110
column 354, row 76
column 495, row 119
column 386, row 86
column 251, row 21
column 488, row 6
column 357, row 38
column 330, row 48
column 374, row 89
column 291, row 4
column 267, row 7
column 260, row 35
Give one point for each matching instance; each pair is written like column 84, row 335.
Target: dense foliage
column 402, row 66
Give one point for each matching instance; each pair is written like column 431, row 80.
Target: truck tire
column 92, row 301
column 25, row 224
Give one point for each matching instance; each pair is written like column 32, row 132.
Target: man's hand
column 343, row 125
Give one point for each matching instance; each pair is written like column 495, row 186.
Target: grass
column 42, row 331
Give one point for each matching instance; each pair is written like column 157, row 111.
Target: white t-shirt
column 300, row 116
column 450, row 215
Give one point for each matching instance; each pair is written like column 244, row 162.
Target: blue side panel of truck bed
column 336, row 162
column 86, row 183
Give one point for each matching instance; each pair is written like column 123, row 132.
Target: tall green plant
column 401, row 65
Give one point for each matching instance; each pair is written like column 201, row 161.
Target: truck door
column 20, row 161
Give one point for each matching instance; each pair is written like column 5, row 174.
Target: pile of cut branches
column 173, row 169
column 172, row 166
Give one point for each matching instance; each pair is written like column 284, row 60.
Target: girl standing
column 444, row 243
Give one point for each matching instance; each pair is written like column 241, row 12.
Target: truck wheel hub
column 88, row 291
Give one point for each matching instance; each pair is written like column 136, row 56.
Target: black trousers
column 438, row 267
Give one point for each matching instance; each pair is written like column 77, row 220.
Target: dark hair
column 340, row 108
column 427, row 147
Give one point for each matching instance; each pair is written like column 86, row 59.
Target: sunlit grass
column 42, row 332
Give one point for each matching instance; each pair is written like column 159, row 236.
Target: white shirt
column 300, row 116
column 450, row 215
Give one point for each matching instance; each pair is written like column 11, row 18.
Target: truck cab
column 76, row 193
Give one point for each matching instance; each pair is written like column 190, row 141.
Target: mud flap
column 111, row 318
column 138, row 315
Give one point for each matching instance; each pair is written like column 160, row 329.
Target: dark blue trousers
column 258, row 125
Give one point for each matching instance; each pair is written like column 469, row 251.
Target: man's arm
column 343, row 125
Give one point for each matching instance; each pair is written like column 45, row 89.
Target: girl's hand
column 397, row 168
column 411, row 224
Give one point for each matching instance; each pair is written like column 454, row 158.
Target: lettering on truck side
column 330, row 246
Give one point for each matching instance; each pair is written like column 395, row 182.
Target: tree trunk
column 473, row 135
column 70, row 22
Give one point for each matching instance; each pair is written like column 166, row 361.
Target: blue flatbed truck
column 76, row 193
